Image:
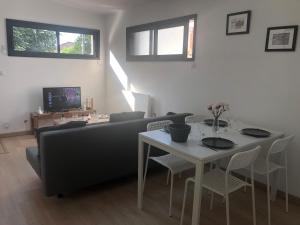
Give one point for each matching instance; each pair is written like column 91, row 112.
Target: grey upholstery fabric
column 68, row 125
column 73, row 159
column 125, row 116
column 170, row 113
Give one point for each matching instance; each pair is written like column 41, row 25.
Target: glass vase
column 215, row 126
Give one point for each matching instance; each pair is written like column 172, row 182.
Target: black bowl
column 210, row 122
column 217, row 143
column 179, row 132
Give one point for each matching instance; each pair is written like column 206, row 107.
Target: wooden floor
column 22, row 201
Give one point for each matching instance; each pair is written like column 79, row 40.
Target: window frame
column 155, row 26
column 10, row 23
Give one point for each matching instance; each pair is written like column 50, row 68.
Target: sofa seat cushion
column 33, row 159
column 125, row 116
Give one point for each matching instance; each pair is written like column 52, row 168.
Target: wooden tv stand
column 48, row 119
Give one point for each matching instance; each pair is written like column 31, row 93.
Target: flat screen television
column 60, row 99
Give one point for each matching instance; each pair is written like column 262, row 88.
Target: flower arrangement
column 217, row 110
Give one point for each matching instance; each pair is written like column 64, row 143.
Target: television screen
column 61, row 99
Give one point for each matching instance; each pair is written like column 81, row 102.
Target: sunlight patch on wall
column 130, row 99
column 123, row 78
column 133, row 89
column 120, row 73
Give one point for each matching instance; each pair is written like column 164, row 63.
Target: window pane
column 190, row 50
column 34, row 40
column 170, row 41
column 139, row 43
column 74, row 43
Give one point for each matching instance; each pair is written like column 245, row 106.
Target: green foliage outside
column 34, row 40
column 82, row 45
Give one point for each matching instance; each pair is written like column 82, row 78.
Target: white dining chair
column 199, row 119
column 265, row 166
column 194, row 119
column 174, row 164
column 223, row 183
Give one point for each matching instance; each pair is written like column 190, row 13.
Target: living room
column 256, row 79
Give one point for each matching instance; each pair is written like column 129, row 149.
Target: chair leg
column 286, row 192
column 168, row 177
column 211, row 205
column 184, row 201
column 253, row 200
column 268, row 199
column 227, row 209
column 245, row 187
column 171, row 194
column 146, row 166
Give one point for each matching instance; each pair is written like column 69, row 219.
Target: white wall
column 261, row 88
column 23, row 79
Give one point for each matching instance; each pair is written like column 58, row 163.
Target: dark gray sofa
column 71, row 159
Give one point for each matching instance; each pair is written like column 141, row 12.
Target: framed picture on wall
column 282, row 38
column 238, row 23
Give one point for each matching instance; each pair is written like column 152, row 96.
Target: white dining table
column 194, row 152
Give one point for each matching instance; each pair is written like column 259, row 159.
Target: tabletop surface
column 194, row 149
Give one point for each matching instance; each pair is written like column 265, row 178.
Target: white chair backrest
column 158, row 125
column 280, row 145
column 194, row 119
column 243, row 159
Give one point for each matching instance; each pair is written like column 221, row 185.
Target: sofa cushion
column 171, row 113
column 68, row 125
column 32, row 157
column 125, row 116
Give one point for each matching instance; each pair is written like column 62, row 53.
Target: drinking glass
column 94, row 116
column 193, row 131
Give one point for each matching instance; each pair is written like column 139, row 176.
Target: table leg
column 197, row 193
column 275, row 184
column 140, row 173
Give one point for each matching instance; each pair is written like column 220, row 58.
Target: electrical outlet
column 5, row 125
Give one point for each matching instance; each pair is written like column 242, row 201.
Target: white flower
column 218, row 108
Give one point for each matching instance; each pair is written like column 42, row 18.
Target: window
column 29, row 39
column 167, row 40
column 170, row 41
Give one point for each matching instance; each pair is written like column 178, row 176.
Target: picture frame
column 238, row 23
column 281, row 39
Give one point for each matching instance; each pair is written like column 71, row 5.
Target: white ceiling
column 104, row 6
